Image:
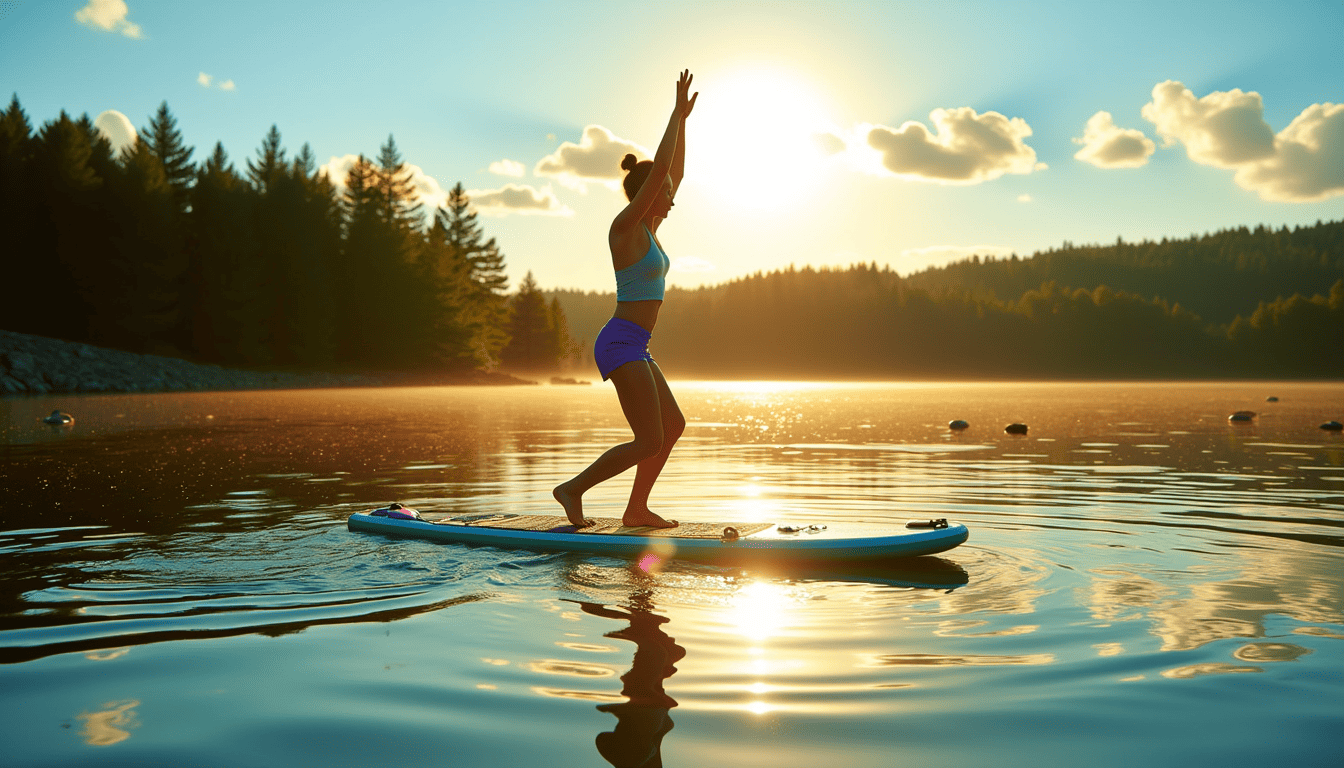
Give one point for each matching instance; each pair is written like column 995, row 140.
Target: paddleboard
column 699, row 541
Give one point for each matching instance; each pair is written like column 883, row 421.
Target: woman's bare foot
column 573, row 506
column 637, row 518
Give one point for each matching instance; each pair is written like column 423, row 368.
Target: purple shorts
column 620, row 342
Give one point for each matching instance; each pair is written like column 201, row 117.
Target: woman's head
column 637, row 173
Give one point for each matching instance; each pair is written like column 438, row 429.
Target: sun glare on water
column 758, row 140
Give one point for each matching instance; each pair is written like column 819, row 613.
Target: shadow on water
column 643, row 719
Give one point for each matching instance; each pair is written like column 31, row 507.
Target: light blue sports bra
column 645, row 279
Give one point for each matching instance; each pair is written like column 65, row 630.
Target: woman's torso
column 643, row 256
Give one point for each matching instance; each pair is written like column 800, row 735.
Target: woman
column 622, row 348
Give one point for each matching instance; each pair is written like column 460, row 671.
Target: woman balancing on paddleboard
column 622, row 348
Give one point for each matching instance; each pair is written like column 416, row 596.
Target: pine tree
column 385, row 306
column 164, row 141
column 396, row 189
column 532, row 338
column 270, row 161
column 226, row 278
column 567, row 352
column 151, row 253
column 26, row 269
column 485, row 306
column 453, row 321
column 70, row 163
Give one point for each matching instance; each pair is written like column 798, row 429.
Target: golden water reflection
column 111, row 724
column 1191, row 612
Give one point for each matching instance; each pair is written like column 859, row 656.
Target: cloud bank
column 595, row 159
column 1107, row 145
column 967, row 148
column 1226, row 129
column 117, row 128
column 109, row 16
column 511, row 199
column 517, row 199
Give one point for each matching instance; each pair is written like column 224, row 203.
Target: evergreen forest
column 1236, row 303
column 268, row 266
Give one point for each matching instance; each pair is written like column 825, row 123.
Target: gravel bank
column 35, row 365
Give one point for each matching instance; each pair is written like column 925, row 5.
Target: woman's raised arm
column 663, row 159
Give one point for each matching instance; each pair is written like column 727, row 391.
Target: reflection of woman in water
column 642, row 719
column 622, row 348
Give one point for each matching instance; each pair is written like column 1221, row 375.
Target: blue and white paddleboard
column 706, row 542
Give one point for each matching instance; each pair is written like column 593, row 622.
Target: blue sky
column 827, row 133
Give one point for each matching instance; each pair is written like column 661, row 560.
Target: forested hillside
column 1282, row 316
column 268, row 266
column 1216, row 276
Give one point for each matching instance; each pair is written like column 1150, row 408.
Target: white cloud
column 828, row 143
column 428, row 192
column 1107, row 145
column 1226, row 129
column 517, row 198
column 1223, row 129
column 968, row 148
column 507, row 167
column 1308, row 160
column 207, row 80
column 595, row 159
column 918, row 259
column 117, row 128
column 109, row 16
column 1024, row 198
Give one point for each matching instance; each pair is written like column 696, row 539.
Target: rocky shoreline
column 36, row 365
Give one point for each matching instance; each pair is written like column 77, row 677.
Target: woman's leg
column 637, row 388
column 673, row 424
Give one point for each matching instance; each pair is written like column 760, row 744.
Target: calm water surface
column 1145, row 584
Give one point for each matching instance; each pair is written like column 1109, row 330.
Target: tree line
column 971, row 320
column 269, row 266
column 274, row 266
column 1217, row 276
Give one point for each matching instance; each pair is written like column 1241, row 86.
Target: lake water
column 1145, row 582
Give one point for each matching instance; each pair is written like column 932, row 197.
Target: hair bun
column 629, row 163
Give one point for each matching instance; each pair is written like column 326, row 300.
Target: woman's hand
column 685, row 101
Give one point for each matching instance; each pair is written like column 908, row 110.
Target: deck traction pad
column 604, row 525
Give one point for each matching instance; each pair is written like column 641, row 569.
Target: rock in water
column 59, row 419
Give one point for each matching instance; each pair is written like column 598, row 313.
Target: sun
column 759, row 140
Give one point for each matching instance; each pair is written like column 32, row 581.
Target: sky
column 905, row 134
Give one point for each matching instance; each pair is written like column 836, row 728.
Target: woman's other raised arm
column 663, row 160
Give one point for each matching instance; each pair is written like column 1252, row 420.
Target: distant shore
column 36, row 365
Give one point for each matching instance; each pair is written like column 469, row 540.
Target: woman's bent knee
column 647, row 446
column 673, row 428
